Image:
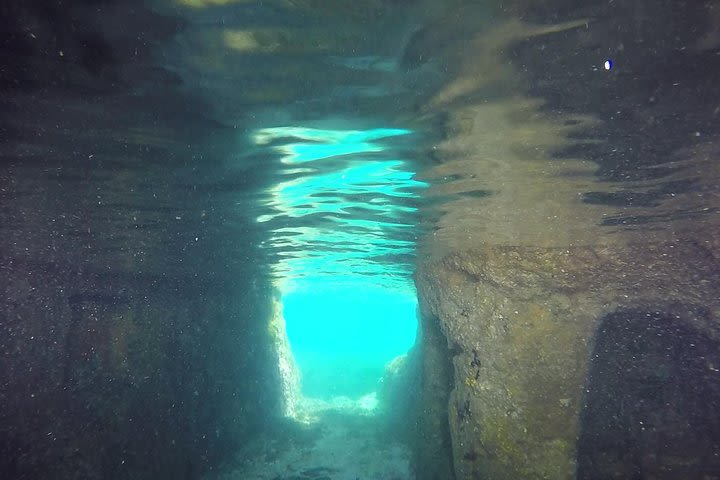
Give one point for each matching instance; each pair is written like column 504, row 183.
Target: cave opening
column 342, row 222
column 345, row 337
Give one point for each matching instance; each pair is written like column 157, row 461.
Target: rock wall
column 111, row 379
column 433, row 449
column 570, row 263
column 522, row 323
column 133, row 304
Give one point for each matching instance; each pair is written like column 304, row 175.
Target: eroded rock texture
column 524, row 324
column 132, row 315
column 572, row 261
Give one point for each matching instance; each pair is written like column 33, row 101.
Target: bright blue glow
column 343, row 335
column 342, row 229
column 352, row 319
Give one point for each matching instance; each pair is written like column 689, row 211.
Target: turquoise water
column 341, row 222
column 343, row 335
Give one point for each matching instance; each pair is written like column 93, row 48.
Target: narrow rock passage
column 340, row 219
column 221, row 219
column 339, row 211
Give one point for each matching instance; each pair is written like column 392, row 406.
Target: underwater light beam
column 349, row 310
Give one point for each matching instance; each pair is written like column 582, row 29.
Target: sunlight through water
column 342, row 223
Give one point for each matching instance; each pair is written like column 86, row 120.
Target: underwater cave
column 346, row 306
column 359, row 240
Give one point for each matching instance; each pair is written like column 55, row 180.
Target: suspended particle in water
column 608, row 64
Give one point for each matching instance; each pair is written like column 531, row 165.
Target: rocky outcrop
column 573, row 286
column 521, row 324
column 433, row 449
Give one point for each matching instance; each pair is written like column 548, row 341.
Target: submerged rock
column 548, row 300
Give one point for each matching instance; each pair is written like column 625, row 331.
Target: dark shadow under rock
column 651, row 401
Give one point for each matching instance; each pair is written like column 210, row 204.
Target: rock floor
column 338, row 445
